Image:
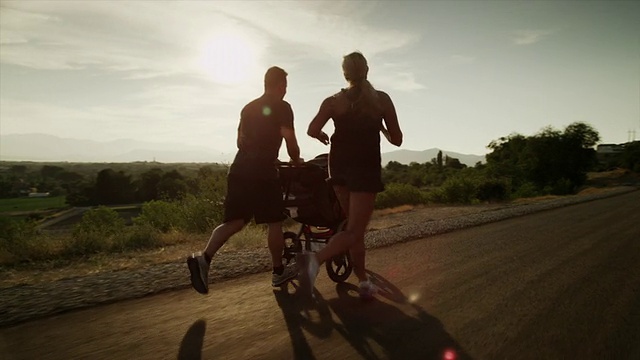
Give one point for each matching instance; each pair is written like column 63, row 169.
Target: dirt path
column 562, row 283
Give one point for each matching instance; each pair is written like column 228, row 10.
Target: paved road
column 560, row 284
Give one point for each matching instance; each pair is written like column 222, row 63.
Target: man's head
column 275, row 81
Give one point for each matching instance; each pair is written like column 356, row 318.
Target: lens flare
column 413, row 297
column 449, row 354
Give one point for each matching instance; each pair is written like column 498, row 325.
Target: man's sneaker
column 366, row 290
column 308, row 264
column 199, row 269
column 289, row 272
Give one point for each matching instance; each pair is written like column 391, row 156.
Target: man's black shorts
column 252, row 197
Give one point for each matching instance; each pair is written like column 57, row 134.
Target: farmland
column 25, row 204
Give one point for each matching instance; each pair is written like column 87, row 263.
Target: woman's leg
column 359, row 213
column 357, row 251
column 365, row 202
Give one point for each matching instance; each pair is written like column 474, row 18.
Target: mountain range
column 40, row 147
column 409, row 156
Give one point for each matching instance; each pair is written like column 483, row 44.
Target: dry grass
column 394, row 210
column 178, row 245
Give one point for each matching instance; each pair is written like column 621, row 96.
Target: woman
column 359, row 113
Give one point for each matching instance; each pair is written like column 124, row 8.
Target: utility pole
column 632, row 136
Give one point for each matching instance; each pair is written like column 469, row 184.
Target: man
column 253, row 188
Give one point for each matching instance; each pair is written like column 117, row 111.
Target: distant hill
column 409, row 156
column 40, row 147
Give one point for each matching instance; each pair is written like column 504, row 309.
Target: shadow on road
column 377, row 329
column 191, row 345
column 303, row 312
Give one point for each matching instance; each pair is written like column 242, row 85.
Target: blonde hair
column 355, row 69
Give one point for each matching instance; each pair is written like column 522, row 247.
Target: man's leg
column 236, row 215
column 281, row 274
column 220, row 235
column 275, row 240
column 199, row 263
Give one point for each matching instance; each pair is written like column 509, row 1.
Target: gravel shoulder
column 25, row 302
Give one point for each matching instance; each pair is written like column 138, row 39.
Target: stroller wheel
column 339, row 268
column 292, row 246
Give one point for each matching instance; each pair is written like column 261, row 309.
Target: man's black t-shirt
column 259, row 146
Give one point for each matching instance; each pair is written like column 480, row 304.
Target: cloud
column 139, row 40
column 149, row 39
column 394, row 76
column 462, row 59
column 160, row 44
column 184, row 114
column 325, row 30
column 528, row 37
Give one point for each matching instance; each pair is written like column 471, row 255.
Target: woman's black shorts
column 357, row 179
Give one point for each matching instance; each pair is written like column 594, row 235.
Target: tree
column 172, row 186
column 583, row 134
column 18, row 170
column 453, row 163
column 148, row 186
column 439, row 159
column 50, row 171
column 631, row 156
column 6, row 187
column 113, row 188
column 553, row 161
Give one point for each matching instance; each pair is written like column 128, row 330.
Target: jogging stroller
column 310, row 201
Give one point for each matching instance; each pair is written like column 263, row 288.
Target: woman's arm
column 391, row 128
column 319, row 121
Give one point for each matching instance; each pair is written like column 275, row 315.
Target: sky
column 460, row 73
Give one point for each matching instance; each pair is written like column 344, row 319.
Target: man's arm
column 240, row 138
column 290, row 139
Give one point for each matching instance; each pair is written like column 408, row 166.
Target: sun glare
column 229, row 58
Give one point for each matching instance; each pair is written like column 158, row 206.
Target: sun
column 229, row 58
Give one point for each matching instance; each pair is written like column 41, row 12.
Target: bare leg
column 199, row 264
column 342, row 193
column 221, row 234
column 360, row 210
column 357, row 251
column 276, row 243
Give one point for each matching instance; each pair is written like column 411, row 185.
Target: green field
column 31, row 204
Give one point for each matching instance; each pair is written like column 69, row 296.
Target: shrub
column 161, row 215
column 137, row 237
column 201, row 214
column 17, row 238
column 456, row 190
column 96, row 231
column 493, row 190
column 195, row 214
column 526, row 190
column 101, row 220
column 561, row 187
column 396, row 194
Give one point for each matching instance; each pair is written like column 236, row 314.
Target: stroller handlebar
column 318, row 161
